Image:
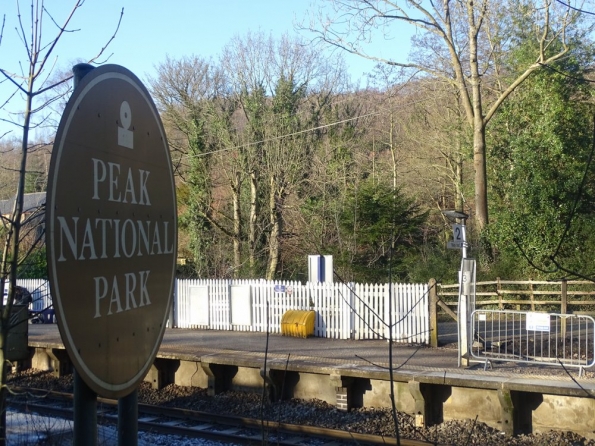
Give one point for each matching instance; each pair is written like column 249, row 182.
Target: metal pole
column 85, row 413
column 85, row 399
column 464, row 235
column 79, row 71
column 463, row 302
column 128, row 419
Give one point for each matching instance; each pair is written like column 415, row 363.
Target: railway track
column 194, row 424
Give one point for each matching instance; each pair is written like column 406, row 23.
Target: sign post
column 111, row 225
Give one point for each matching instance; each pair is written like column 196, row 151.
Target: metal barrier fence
column 530, row 337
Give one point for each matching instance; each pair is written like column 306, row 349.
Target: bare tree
column 462, row 43
column 282, row 87
column 190, row 93
column 34, row 85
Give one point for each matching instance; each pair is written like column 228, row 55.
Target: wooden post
column 433, row 302
column 498, row 289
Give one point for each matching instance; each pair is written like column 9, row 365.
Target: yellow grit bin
column 298, row 323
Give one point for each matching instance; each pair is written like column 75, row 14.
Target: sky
column 153, row 29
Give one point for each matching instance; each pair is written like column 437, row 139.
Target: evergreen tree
column 542, row 180
column 383, row 226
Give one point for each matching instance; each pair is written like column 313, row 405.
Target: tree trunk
column 252, row 223
column 237, row 227
column 479, row 143
column 459, row 203
column 13, row 236
column 3, row 390
column 393, row 150
column 275, row 234
column 479, row 163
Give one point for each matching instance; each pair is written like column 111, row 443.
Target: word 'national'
column 102, row 238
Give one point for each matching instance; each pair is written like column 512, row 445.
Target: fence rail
column 551, row 296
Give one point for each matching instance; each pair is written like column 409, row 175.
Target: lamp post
column 466, row 304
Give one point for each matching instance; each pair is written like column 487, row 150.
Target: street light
column 451, row 213
column 466, row 304
column 460, row 234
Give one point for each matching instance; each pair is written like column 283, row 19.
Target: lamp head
column 451, row 213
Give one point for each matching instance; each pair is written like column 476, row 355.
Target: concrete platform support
column 246, row 379
column 270, row 384
column 52, row 359
column 162, row 373
column 422, row 418
column 507, row 411
column 280, row 383
column 191, row 374
column 24, row 364
column 343, row 391
column 273, row 380
column 40, row 359
column 219, row 377
column 209, row 370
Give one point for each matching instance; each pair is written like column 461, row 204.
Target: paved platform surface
column 327, row 353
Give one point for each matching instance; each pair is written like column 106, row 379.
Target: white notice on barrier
column 538, row 322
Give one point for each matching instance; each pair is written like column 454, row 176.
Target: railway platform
column 427, row 381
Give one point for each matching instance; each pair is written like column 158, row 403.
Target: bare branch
column 51, row 87
column 94, row 59
column 2, row 28
column 11, row 79
column 61, row 30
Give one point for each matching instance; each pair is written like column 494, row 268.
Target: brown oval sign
column 111, row 230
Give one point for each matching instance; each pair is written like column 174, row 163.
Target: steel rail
column 195, row 424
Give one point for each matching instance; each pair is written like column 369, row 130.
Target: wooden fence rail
column 564, row 296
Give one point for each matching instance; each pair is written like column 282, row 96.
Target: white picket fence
column 343, row 311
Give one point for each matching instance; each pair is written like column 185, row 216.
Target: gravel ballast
column 377, row 421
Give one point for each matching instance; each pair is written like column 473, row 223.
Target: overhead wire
column 289, row 135
column 574, row 8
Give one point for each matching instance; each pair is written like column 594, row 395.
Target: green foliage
column 196, row 205
column 430, row 261
column 35, row 266
column 287, row 99
column 383, row 226
column 35, row 182
column 540, row 146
